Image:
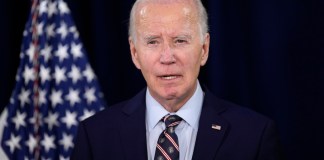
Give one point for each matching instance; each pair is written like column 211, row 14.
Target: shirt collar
column 189, row 112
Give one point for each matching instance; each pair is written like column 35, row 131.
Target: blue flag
column 56, row 88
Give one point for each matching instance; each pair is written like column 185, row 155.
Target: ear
column 205, row 50
column 133, row 52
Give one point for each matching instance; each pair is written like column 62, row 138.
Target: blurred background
column 267, row 55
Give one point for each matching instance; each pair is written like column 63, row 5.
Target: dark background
column 267, row 55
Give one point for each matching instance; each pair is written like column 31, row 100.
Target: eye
column 181, row 41
column 152, row 42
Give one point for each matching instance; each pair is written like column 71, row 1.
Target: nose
column 167, row 55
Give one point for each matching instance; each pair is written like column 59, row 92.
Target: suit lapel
column 133, row 130
column 212, row 129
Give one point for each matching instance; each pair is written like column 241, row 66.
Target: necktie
column 167, row 147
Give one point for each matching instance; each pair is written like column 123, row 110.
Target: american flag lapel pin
column 217, row 127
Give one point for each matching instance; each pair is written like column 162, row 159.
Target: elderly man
column 174, row 117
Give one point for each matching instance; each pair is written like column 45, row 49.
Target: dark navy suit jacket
column 119, row 133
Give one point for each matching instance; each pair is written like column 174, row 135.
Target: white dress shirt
column 186, row 130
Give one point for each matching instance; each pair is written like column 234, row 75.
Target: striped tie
column 167, row 147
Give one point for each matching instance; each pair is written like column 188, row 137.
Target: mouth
column 169, row 77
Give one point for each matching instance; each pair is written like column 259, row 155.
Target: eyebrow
column 150, row 37
column 183, row 36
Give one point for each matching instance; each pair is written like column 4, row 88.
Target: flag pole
column 35, row 42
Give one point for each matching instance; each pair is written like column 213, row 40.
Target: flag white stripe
column 3, row 119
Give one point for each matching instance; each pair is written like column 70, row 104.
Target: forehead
column 150, row 14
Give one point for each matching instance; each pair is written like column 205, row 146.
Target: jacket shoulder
column 107, row 115
column 113, row 114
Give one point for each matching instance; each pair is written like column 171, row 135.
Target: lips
column 169, row 77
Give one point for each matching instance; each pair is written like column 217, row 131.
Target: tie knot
column 171, row 120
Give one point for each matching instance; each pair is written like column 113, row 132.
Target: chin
column 169, row 95
column 173, row 93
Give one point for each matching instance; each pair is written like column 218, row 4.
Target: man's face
column 169, row 50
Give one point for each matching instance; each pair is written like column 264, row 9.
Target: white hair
column 202, row 15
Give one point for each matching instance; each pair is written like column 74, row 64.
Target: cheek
column 149, row 57
column 191, row 60
column 147, row 64
column 191, row 65
column 142, row 58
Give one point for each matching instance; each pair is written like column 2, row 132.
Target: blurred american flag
column 55, row 89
